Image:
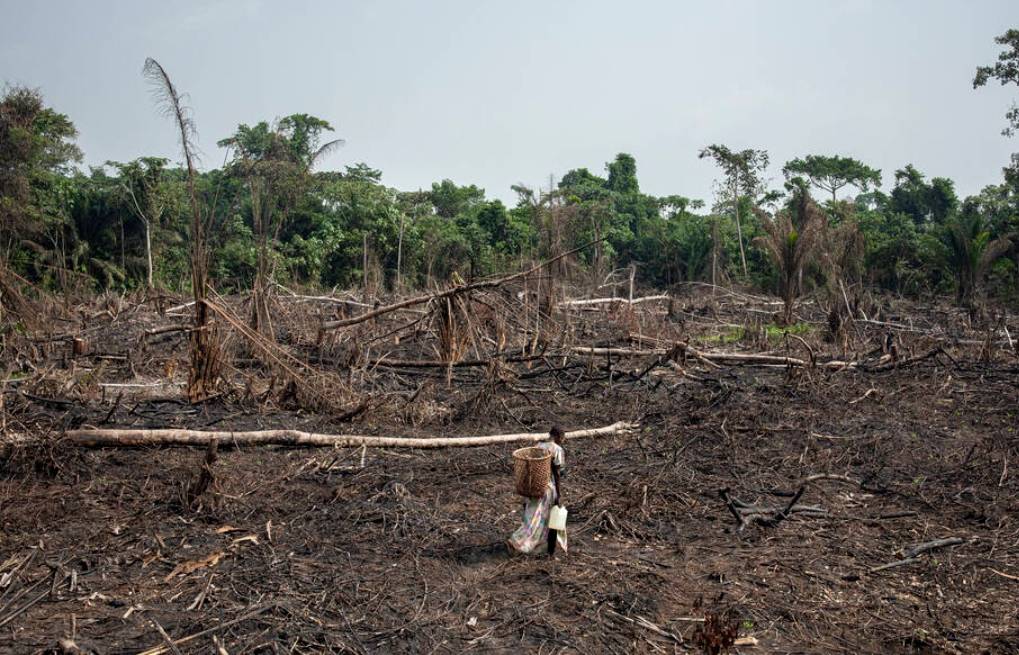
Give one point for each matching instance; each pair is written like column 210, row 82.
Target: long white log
column 172, row 437
column 622, row 352
column 607, row 301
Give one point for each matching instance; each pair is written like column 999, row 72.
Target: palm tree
column 276, row 163
column 791, row 238
column 969, row 251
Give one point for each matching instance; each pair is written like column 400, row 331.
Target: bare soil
column 402, row 551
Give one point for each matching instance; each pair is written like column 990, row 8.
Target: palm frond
column 992, row 252
column 173, row 105
column 324, row 150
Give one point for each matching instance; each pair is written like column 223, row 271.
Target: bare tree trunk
column 261, row 322
column 148, row 254
column 399, row 254
column 147, row 223
column 739, row 228
column 123, row 255
column 714, row 254
column 364, row 266
column 787, row 310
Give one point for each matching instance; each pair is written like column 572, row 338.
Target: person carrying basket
column 539, row 472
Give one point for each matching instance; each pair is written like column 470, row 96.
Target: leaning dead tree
column 202, row 340
column 452, row 291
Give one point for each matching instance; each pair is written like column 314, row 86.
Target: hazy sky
column 500, row 93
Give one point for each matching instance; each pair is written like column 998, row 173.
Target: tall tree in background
column 1006, row 71
column 623, row 174
column 833, row 173
column 742, row 170
column 203, row 348
column 925, row 202
column 36, row 153
column 144, row 187
column 276, row 164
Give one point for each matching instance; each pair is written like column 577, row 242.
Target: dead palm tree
column 791, row 238
column 203, row 350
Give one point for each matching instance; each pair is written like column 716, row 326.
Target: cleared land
column 400, row 550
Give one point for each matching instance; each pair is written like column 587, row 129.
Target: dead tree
column 202, row 340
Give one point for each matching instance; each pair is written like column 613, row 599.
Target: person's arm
column 556, row 478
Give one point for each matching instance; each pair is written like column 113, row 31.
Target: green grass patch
column 774, row 332
column 733, row 335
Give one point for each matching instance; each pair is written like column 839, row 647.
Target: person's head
column 557, row 434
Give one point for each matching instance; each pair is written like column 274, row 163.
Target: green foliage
column 233, row 267
column 891, row 253
column 277, row 218
column 966, row 247
column 1006, row 71
column 831, row 173
column 623, row 175
column 37, row 151
column 924, row 202
column 451, row 200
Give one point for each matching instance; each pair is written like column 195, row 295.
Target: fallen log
column 715, row 357
column 435, row 363
column 909, row 553
column 622, row 352
column 98, row 438
column 912, row 555
column 609, row 301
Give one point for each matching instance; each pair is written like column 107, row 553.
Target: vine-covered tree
column 925, row 202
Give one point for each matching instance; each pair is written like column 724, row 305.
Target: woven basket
column 532, row 468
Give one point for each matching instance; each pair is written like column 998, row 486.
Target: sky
column 497, row 94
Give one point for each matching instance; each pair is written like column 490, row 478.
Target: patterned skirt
column 533, row 532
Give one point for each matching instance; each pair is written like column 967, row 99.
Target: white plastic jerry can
column 557, row 518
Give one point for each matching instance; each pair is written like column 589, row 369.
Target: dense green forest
column 272, row 216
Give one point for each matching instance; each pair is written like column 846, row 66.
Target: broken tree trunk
column 420, row 300
column 91, row 438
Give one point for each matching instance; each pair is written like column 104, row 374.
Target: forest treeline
column 816, row 220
